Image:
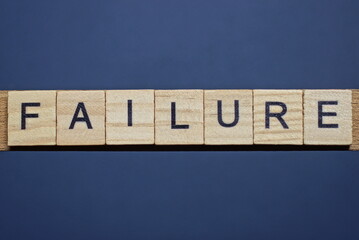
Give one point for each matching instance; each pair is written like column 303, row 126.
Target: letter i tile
column 130, row 117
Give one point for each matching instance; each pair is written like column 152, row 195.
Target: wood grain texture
column 334, row 130
column 40, row 130
column 3, row 121
column 241, row 133
column 81, row 134
column 355, row 117
column 189, row 112
column 140, row 129
column 276, row 133
column 354, row 146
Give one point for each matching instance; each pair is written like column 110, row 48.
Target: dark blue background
column 169, row 45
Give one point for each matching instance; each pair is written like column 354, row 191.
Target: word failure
column 180, row 117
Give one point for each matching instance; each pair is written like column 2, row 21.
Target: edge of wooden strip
column 355, row 118
column 3, row 121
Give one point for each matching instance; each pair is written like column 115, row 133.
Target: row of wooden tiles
column 165, row 117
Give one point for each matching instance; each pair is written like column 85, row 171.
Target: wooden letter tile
column 178, row 117
column 278, row 117
column 81, row 117
column 31, row 118
column 327, row 117
column 130, row 117
column 228, row 117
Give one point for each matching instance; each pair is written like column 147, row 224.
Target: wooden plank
column 278, row 117
column 179, row 117
column 320, row 128
column 3, row 121
column 31, row 118
column 81, row 117
column 228, row 117
column 130, row 117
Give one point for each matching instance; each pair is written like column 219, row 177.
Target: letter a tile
column 278, row 117
column 178, row 117
column 81, row 117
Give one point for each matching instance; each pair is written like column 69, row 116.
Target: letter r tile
column 228, row 117
column 178, row 117
column 278, row 117
column 31, row 118
column 80, row 117
column 327, row 117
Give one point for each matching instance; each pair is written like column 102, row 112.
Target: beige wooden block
column 355, row 120
column 178, row 117
column 284, row 123
column 327, row 117
column 228, row 117
column 130, row 117
column 3, row 121
column 31, row 118
column 81, row 117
